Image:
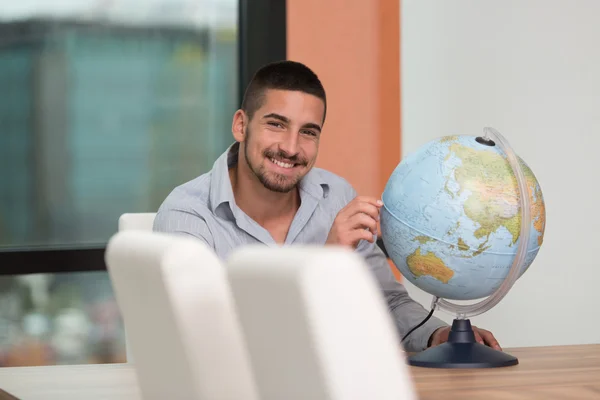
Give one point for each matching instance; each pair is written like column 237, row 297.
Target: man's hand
column 355, row 222
column 481, row 336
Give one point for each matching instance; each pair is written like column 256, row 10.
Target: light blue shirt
column 205, row 208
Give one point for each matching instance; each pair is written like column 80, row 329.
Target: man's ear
column 238, row 126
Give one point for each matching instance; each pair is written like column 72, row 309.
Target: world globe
column 451, row 220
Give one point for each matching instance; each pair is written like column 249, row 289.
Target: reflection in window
column 105, row 108
column 59, row 319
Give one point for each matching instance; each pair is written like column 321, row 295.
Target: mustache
column 282, row 155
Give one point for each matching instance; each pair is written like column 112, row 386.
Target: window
column 105, row 108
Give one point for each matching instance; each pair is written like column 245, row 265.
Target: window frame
column 262, row 38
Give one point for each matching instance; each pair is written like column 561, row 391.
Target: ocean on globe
column 451, row 218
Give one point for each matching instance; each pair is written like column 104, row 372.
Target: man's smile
column 282, row 164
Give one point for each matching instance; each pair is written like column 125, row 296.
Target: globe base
column 462, row 351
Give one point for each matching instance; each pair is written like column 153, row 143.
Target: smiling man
column 265, row 189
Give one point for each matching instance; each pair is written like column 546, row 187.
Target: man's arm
column 183, row 222
column 355, row 225
column 406, row 312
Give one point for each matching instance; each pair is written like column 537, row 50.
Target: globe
column 451, row 220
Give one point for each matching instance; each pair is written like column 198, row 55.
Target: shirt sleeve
column 183, row 222
column 406, row 312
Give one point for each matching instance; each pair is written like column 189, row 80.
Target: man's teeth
column 282, row 164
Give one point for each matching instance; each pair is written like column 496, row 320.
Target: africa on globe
column 451, row 218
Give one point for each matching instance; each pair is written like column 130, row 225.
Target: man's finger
column 362, row 221
column 368, row 199
column 478, row 337
column 362, row 200
column 489, row 339
column 368, row 208
column 360, row 234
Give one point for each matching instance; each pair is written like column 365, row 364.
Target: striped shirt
column 205, row 208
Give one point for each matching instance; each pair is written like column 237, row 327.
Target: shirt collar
column 221, row 191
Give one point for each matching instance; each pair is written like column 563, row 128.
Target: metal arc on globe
column 463, row 219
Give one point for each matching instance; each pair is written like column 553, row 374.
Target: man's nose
column 290, row 144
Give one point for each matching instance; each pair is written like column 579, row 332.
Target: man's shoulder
column 193, row 194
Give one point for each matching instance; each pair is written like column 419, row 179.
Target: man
column 264, row 189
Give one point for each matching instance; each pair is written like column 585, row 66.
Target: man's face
column 281, row 141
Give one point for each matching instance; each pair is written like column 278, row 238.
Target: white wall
column 531, row 69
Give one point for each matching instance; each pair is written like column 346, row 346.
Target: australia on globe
column 451, row 219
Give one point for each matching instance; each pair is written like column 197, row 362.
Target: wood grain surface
column 557, row 372
column 546, row 373
column 71, row 382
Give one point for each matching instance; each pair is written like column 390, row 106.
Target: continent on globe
column 492, row 183
column 451, row 220
column 462, row 245
column 423, row 239
column 428, row 264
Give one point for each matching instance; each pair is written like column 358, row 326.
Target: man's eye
column 310, row 133
column 275, row 124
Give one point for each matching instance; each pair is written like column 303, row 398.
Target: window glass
column 105, row 108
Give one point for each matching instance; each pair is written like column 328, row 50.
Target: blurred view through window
column 105, row 107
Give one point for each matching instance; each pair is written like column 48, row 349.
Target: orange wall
column 354, row 48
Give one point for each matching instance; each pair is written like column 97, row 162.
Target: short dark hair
column 281, row 75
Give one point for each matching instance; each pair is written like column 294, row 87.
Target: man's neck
column 261, row 204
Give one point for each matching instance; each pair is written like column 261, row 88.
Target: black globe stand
column 462, row 351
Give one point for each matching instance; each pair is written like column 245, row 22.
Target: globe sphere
column 451, row 218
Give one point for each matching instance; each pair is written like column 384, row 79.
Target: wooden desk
column 547, row 373
column 71, row 382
